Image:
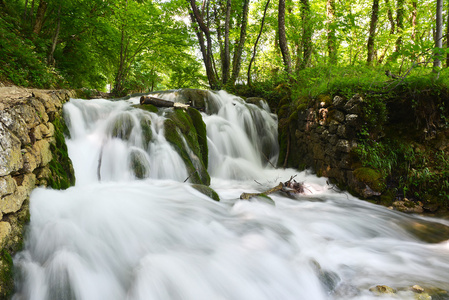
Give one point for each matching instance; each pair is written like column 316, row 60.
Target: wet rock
column 408, row 206
column 382, row 290
column 208, row 191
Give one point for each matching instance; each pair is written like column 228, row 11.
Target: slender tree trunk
column 331, row 31
column 447, row 39
column 25, row 11
column 227, row 56
column 439, row 32
column 306, row 39
column 390, row 17
column 257, row 41
column 40, row 16
column 414, row 16
column 282, row 37
column 399, row 23
column 207, row 51
column 372, row 31
column 51, row 59
column 237, row 62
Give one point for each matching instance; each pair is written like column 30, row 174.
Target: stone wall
column 323, row 137
column 27, row 146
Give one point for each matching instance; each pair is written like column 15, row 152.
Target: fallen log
column 290, row 187
column 158, row 102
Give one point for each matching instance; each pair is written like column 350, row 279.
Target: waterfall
column 131, row 228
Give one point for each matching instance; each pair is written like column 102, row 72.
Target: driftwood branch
column 290, row 187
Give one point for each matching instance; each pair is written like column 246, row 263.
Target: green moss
column 122, row 127
column 209, row 192
column 62, row 173
column 200, row 127
column 387, row 198
column 138, row 164
column 147, row 107
column 147, row 132
column 370, row 177
column 179, row 124
column 6, row 275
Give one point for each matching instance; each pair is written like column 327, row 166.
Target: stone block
column 7, row 185
column 10, row 154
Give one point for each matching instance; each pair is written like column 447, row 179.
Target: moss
column 137, row 164
column 370, row 177
column 178, row 124
column 387, row 198
column 209, row 192
column 62, row 173
column 122, row 126
column 200, row 127
column 6, row 275
column 147, row 132
column 147, row 107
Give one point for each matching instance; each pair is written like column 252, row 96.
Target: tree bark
column 390, row 17
column 307, row 31
column 414, row 16
column 283, row 38
column 40, row 16
column 237, row 62
column 207, row 50
column 372, row 31
column 227, row 56
column 51, row 59
column 331, row 31
column 399, row 23
column 257, row 41
column 439, row 32
column 447, row 39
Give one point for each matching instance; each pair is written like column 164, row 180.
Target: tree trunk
column 51, row 59
column 331, row 31
column 40, row 16
column 236, row 64
column 372, row 31
column 282, row 37
column 439, row 32
column 206, row 51
column 307, row 31
column 390, row 17
column 25, row 11
column 414, row 15
column 399, row 23
column 227, row 56
column 257, row 41
column 447, row 40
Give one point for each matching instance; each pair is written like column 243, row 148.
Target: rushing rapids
column 121, row 234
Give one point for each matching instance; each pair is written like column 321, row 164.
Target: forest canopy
column 142, row 45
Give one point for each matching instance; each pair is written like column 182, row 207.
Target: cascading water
column 142, row 233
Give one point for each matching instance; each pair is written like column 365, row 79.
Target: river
column 113, row 236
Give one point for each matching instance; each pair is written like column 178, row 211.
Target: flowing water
column 113, row 236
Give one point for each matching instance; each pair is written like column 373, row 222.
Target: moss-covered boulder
column 186, row 132
column 209, row 192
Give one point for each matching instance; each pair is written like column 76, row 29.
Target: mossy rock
column 181, row 132
column 122, row 126
column 62, row 173
column 200, row 127
column 370, row 177
column 209, row 192
column 139, row 164
column 147, row 132
column 147, row 107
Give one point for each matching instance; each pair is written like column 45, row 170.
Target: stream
column 113, row 236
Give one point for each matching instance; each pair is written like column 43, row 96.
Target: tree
column 438, row 33
column 372, row 31
column 255, row 44
column 399, row 24
column 282, row 37
column 307, row 31
column 331, row 31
